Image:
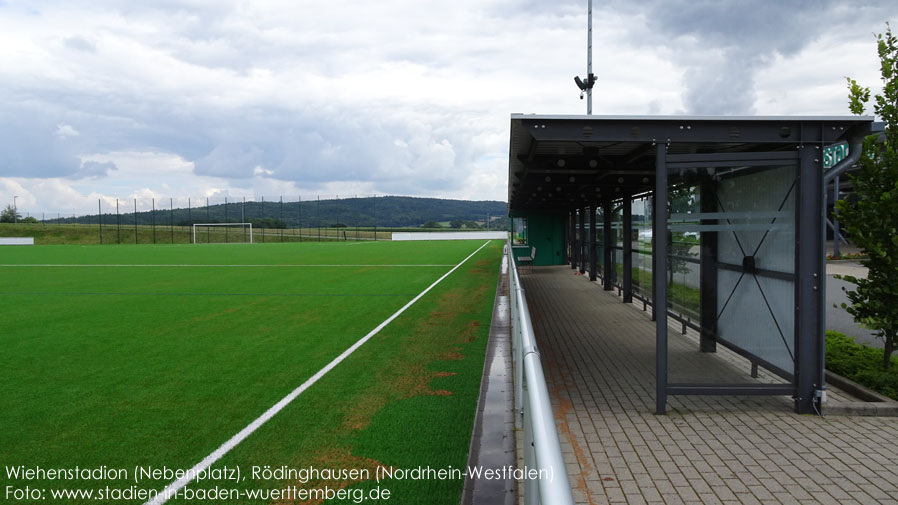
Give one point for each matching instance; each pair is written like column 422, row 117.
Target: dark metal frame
column 592, row 242
column 710, row 313
column 582, row 252
column 609, row 158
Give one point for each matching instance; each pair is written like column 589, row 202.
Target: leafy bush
column 860, row 363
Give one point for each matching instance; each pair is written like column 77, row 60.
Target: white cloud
column 64, row 131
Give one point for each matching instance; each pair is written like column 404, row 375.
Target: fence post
column 154, row 220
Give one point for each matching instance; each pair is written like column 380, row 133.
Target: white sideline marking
column 215, row 266
column 217, row 454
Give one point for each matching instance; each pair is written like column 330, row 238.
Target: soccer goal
column 223, row 233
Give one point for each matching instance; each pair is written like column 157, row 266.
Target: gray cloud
column 331, row 146
column 722, row 44
column 80, row 43
column 30, row 145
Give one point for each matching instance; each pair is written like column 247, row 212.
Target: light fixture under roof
column 593, row 163
column 571, row 179
column 561, row 163
column 548, row 179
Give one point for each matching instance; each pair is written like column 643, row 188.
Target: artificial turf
column 132, row 365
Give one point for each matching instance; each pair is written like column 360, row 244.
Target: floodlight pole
column 586, row 85
column 589, row 59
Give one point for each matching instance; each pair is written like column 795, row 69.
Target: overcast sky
column 102, row 99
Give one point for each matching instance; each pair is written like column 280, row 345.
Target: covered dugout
column 742, row 260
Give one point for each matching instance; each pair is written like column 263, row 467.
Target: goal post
column 222, row 233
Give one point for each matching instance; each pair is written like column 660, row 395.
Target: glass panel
column 519, row 225
column 642, row 247
column 739, row 245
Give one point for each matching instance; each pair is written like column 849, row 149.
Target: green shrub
column 860, row 363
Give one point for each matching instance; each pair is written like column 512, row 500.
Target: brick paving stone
column 598, row 358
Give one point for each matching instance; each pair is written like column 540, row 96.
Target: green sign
column 834, row 154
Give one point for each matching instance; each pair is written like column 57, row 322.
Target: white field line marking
column 217, row 454
column 219, row 266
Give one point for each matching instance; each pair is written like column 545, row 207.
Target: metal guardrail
column 542, row 447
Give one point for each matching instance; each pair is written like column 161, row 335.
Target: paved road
column 837, row 318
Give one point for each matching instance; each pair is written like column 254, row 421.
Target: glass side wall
column 519, row 225
column 642, row 247
column 731, row 252
column 683, row 247
column 617, row 251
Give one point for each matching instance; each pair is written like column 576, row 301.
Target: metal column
column 573, row 221
column 627, row 284
column 592, row 242
column 708, row 269
column 659, row 278
column 836, row 235
column 566, row 252
column 582, row 252
column 809, row 252
column 608, row 239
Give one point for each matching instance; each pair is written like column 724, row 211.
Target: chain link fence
column 278, row 219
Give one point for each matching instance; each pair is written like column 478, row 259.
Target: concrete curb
column 873, row 404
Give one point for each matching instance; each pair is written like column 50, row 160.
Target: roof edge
column 594, row 117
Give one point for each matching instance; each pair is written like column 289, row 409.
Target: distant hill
column 385, row 211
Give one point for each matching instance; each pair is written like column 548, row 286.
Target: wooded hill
column 384, row 211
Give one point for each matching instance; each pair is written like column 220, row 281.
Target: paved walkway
column 599, row 362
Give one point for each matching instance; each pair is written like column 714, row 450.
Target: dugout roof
column 561, row 162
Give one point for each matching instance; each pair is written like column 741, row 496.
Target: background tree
column 9, row 215
column 872, row 222
column 431, row 224
column 681, row 200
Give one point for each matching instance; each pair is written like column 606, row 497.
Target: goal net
column 223, row 233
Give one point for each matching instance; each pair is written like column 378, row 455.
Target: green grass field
column 154, row 356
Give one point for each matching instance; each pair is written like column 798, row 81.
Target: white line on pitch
column 217, row 266
column 217, row 454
